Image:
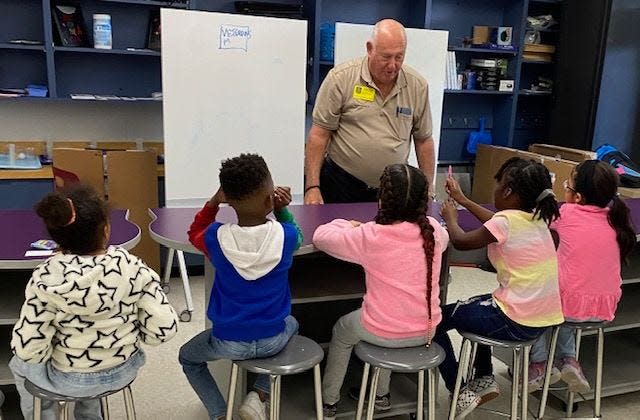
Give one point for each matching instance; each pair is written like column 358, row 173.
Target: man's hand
column 281, row 197
column 313, row 196
column 217, row 198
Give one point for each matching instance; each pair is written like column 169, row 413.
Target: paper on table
column 38, row 253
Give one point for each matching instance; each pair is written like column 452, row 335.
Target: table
column 19, row 228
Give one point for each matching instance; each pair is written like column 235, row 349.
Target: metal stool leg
column 317, row 389
column 278, row 396
column 431, row 377
column 104, row 406
column 420, row 405
column 167, row 269
column 64, row 410
column 547, row 374
column 570, row 394
column 598, row 390
column 273, row 410
column 372, row 393
column 465, row 353
column 128, row 403
column 472, row 362
column 525, row 382
column 515, row 384
column 363, row 390
column 185, row 282
column 232, row 391
column 37, row 408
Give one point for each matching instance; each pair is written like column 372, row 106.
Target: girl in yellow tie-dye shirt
column 521, row 248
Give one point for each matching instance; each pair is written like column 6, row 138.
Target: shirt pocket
column 404, row 125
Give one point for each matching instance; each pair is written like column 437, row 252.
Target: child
column 594, row 239
column 521, row 248
column 401, row 254
column 87, row 309
column 250, row 302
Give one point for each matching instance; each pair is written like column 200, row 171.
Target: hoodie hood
column 252, row 250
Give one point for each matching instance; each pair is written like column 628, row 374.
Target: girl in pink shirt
column 595, row 235
column 401, row 254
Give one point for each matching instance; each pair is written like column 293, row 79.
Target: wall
column 65, row 120
column 618, row 118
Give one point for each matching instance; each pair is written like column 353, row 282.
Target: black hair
column 75, row 218
column 528, row 179
column 597, row 182
column 243, row 175
column 403, row 196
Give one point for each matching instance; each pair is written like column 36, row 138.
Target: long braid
column 403, row 196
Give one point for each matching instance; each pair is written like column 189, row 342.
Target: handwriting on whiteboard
column 234, row 37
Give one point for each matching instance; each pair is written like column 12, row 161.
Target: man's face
column 385, row 58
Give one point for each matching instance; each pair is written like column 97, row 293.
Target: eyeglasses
column 566, row 186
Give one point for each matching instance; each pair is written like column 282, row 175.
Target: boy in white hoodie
column 250, row 303
column 87, row 309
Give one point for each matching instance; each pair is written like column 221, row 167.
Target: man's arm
column 425, row 152
column 317, row 143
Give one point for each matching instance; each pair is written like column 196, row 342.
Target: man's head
column 247, row 184
column 386, row 50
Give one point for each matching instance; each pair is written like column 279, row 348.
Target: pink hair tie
column 73, row 212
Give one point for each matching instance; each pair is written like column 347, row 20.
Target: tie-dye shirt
column 527, row 266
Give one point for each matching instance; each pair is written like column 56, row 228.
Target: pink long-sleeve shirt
column 394, row 305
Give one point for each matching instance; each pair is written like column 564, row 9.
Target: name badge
column 364, row 92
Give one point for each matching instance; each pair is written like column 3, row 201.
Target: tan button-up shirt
column 369, row 135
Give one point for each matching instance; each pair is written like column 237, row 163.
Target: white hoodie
column 89, row 313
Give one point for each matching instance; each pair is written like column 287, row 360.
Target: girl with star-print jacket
column 87, row 309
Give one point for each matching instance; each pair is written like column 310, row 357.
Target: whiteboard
column 426, row 53
column 231, row 84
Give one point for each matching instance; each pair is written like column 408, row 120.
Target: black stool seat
column 299, row 355
column 36, row 391
column 406, row 359
column 586, row 325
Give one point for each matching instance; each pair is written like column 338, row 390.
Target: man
column 366, row 112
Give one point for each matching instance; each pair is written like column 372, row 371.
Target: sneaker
column 467, row 401
column 329, row 411
column 536, row 375
column 573, row 376
column 252, row 408
column 382, row 404
column 485, row 387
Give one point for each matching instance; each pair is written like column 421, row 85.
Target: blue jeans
column 204, row 348
column 478, row 315
column 73, row 384
column 565, row 347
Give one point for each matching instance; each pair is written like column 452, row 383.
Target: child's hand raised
column 452, row 187
column 449, row 212
column 217, row 198
column 281, row 197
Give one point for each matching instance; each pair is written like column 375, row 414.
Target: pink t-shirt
column 394, row 304
column 589, row 262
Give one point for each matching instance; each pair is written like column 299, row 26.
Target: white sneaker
column 485, row 387
column 252, row 408
column 467, row 401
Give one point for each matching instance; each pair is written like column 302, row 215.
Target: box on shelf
column 490, row 158
column 561, row 152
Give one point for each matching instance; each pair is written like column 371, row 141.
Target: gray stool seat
column 407, row 359
column 40, row 394
column 299, row 355
column 520, row 366
column 587, row 325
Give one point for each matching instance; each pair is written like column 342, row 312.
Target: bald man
column 366, row 113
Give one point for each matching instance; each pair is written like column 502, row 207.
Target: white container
column 102, row 32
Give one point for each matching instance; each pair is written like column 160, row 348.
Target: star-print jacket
column 90, row 313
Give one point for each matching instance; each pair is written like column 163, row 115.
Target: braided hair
column 529, row 179
column 403, row 196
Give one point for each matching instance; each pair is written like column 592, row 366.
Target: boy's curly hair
column 241, row 176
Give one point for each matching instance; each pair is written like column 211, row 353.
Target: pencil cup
column 102, row 31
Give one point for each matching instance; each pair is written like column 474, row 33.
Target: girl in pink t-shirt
column 401, row 253
column 595, row 235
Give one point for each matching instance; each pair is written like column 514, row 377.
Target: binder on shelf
column 70, row 27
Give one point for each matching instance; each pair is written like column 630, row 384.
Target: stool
column 579, row 327
column 520, row 363
column 40, row 394
column 299, row 355
column 185, row 315
column 405, row 360
column 1, row 403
